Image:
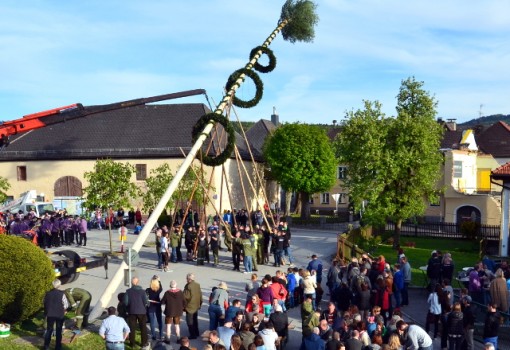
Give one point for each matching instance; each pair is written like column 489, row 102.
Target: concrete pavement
column 304, row 243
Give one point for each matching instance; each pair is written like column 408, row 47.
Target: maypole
column 296, row 23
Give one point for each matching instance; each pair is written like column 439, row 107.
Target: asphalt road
column 304, row 243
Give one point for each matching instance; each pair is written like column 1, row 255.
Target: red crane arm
column 77, row 110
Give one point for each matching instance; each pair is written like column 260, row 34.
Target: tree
column 109, row 186
column 4, row 186
column 393, row 163
column 301, row 158
column 159, row 180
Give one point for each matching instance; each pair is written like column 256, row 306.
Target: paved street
column 304, row 244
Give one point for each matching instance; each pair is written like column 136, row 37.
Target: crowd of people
column 364, row 308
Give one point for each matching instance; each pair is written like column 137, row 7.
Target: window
column 141, row 172
column 343, row 198
column 310, row 200
column 22, row 173
column 325, row 198
column 341, row 172
column 457, row 168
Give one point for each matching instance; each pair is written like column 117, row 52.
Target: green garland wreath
column 256, row 80
column 199, row 127
column 272, row 59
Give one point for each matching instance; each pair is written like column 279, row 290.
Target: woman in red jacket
column 279, row 292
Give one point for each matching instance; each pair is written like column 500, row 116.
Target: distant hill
column 485, row 121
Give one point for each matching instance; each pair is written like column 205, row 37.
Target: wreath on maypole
column 296, row 23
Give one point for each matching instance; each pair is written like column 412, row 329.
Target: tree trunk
column 110, row 236
column 396, row 236
column 288, row 198
column 297, row 209
column 305, row 205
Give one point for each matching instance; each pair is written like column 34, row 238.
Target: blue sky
column 54, row 53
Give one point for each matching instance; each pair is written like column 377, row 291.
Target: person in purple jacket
column 45, row 233
column 82, row 227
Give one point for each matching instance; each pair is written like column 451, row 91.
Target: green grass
column 464, row 253
column 30, row 328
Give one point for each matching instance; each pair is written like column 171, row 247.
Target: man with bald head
column 136, row 302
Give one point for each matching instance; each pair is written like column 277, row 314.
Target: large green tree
column 109, row 186
column 393, row 163
column 4, row 186
column 189, row 188
column 301, row 158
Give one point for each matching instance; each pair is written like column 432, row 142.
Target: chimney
column 451, row 124
column 274, row 117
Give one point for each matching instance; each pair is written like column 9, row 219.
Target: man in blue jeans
column 55, row 306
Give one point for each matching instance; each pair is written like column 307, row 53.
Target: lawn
column 464, row 253
column 28, row 335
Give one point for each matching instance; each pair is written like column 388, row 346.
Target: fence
column 446, row 230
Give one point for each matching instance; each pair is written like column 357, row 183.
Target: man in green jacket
column 193, row 298
column 75, row 295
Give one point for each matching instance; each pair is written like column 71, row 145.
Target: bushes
column 25, row 274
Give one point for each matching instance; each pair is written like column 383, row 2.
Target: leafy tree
column 159, row 180
column 4, row 186
column 109, row 186
column 393, row 163
column 156, row 186
column 301, row 158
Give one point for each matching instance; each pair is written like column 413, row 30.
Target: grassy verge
column 464, row 253
column 29, row 335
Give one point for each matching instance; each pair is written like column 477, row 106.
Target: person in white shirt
column 269, row 336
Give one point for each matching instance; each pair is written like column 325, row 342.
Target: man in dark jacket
column 491, row 326
column 193, row 297
column 55, row 305
column 136, row 301
column 468, row 320
column 280, row 322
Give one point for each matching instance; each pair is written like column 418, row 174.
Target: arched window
column 468, row 213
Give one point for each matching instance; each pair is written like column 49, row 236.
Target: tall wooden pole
column 116, row 280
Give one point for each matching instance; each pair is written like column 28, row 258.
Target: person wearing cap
column 174, row 303
column 218, row 303
column 82, row 296
column 114, row 330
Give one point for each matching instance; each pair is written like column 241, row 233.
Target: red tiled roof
column 502, row 172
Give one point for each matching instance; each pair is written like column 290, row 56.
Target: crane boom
column 77, row 110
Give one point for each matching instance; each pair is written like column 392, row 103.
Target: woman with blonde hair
column 394, row 342
column 154, row 309
column 309, row 286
